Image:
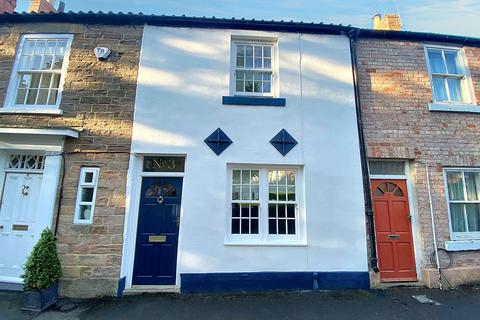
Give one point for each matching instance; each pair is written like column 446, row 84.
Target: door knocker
column 25, row 190
column 160, row 199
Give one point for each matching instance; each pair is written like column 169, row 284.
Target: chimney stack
column 45, row 6
column 389, row 22
column 7, row 6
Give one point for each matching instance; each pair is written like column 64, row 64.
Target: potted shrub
column 42, row 272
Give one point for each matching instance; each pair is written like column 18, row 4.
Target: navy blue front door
column 157, row 233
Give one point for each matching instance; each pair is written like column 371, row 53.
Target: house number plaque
column 163, row 164
column 157, row 238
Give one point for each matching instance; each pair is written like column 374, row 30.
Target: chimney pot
column 44, row 6
column 7, row 6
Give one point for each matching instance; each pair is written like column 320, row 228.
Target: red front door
column 393, row 230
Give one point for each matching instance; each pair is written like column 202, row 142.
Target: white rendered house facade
column 245, row 171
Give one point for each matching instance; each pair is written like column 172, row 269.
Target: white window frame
column 241, row 40
column 459, row 235
column 82, row 184
column 468, row 95
column 9, row 105
column 263, row 238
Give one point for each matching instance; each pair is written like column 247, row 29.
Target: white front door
column 19, row 229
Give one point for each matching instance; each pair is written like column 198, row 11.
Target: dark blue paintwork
column 121, row 287
column 269, row 281
column 283, row 142
column 254, row 101
column 156, row 262
column 218, row 141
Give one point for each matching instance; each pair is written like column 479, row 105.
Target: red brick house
column 419, row 102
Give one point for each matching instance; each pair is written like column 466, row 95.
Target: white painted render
column 183, row 75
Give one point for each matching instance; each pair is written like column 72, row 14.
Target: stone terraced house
column 203, row 154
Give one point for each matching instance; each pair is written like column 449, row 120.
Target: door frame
column 132, row 208
column 409, row 178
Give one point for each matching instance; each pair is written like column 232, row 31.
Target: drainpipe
column 352, row 35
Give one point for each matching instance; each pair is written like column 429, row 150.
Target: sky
column 460, row 17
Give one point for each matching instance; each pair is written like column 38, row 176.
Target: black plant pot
column 41, row 299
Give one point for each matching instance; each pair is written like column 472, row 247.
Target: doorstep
column 134, row 290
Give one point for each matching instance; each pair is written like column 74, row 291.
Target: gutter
column 353, row 35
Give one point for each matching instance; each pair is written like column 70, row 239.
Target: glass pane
column 454, row 85
column 245, row 176
column 272, row 193
column 290, row 210
column 235, row 210
column 439, row 89
column 47, row 63
column 457, row 217
column 39, row 47
column 240, row 62
column 245, row 192
column 266, row 87
column 267, row 63
column 42, row 97
column 281, row 211
column 254, row 226
column 32, row 95
column 387, row 167
column 61, row 45
column 56, row 81
column 291, row 193
column 453, row 65
column 245, row 226
column 249, row 56
column 282, row 193
column 267, row 51
column 235, row 226
column 249, row 86
column 20, row 99
column 291, row 226
column 236, row 177
column 255, row 192
column 28, row 47
column 88, row 177
column 472, row 181
column 257, row 86
column 87, row 195
column 239, row 86
column 282, row 226
column 272, row 177
column 258, row 63
column 36, row 62
column 254, row 177
column 272, row 210
column 455, row 186
column 46, row 79
column 436, row 61
column 25, row 81
column 254, row 210
column 35, row 82
column 258, row 51
column 85, row 212
column 52, row 99
column 236, row 192
column 290, row 178
column 272, row 226
column 25, row 63
column 57, row 62
column 282, row 177
column 245, row 210
column 50, row 48
column 473, row 217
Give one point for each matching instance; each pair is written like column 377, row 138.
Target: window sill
column 454, row 107
column 31, row 110
column 266, row 244
column 462, row 245
column 254, row 101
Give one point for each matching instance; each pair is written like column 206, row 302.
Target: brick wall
column 98, row 100
column 7, row 5
column 395, row 90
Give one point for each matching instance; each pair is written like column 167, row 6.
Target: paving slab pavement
column 391, row 304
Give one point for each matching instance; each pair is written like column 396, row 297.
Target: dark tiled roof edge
column 129, row 18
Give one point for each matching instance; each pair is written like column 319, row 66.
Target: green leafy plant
column 42, row 268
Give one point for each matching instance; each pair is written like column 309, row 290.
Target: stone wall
column 395, row 92
column 98, row 100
